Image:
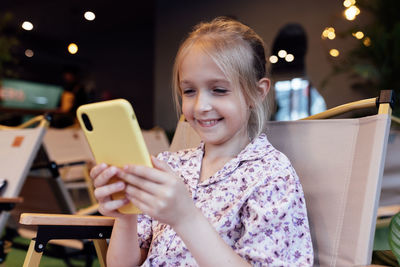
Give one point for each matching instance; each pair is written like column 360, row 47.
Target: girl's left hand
column 159, row 193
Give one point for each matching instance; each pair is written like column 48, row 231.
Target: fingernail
column 120, row 185
column 113, row 170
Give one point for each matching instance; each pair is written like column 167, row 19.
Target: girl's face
column 215, row 109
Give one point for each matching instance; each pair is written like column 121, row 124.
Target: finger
column 141, row 183
column 141, row 195
column 161, row 165
column 143, row 206
column 147, row 173
column 114, row 204
column 96, row 170
column 107, row 190
column 105, row 176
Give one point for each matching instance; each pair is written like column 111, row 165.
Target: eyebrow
column 209, row 81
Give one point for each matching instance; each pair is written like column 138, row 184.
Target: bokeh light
column 349, row 3
column 359, row 35
column 351, row 12
column 72, row 48
column 367, row 41
column 334, row 52
column 89, row 15
column 29, row 53
column 273, row 59
column 27, row 25
column 289, row 58
column 282, row 53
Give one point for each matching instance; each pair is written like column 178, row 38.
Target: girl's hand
column 159, row 193
column 101, row 175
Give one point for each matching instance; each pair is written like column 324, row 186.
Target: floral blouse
column 255, row 202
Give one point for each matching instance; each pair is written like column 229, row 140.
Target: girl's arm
column 163, row 196
column 124, row 246
column 205, row 244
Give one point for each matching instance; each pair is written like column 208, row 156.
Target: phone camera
column 87, row 122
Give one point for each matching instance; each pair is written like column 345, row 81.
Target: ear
column 264, row 85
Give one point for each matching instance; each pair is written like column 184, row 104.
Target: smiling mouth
column 208, row 123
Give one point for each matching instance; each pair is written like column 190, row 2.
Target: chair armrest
column 64, row 219
column 11, row 200
column 388, row 211
column 8, row 203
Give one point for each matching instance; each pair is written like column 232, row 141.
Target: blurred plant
column 7, row 43
column 374, row 64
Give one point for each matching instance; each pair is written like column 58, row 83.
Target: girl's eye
column 220, row 91
column 188, row 91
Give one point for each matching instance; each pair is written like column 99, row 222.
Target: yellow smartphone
column 115, row 137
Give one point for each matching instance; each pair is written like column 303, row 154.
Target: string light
column 72, row 48
column 282, row 53
column 351, row 12
column 273, row 59
column 29, row 53
column 89, row 15
column 349, row 3
column 289, row 58
column 367, row 41
column 359, row 35
column 334, row 52
column 27, row 25
column 329, row 32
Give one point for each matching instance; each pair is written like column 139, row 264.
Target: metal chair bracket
column 48, row 232
column 386, row 97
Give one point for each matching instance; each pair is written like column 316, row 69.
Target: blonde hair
column 239, row 52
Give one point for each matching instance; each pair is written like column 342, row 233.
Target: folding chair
column 18, row 148
column 340, row 164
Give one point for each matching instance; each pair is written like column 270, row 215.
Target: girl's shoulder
column 181, row 155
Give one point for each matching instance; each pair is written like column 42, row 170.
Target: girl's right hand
column 101, row 175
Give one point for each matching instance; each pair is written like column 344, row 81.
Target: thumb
column 161, row 165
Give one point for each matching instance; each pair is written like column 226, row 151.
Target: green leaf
column 394, row 236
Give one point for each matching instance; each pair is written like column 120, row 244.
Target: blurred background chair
column 18, row 148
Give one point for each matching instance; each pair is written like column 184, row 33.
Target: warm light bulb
column 331, row 35
column 273, row 59
column 348, row 3
column 72, row 48
column 351, row 12
column 289, row 58
column 359, row 35
column 282, row 53
column 27, row 26
column 367, row 41
column 334, row 52
column 29, row 53
column 89, row 15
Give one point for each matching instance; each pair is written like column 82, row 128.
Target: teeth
column 208, row 123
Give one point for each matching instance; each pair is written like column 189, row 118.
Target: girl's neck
column 216, row 156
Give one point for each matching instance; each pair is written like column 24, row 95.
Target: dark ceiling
column 116, row 50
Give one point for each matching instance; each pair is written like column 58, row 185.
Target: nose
column 203, row 102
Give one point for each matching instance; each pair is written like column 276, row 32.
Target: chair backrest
column 66, row 146
column 184, row 137
column 18, row 149
column 340, row 164
column 156, row 140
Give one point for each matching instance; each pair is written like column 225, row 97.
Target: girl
column 234, row 200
